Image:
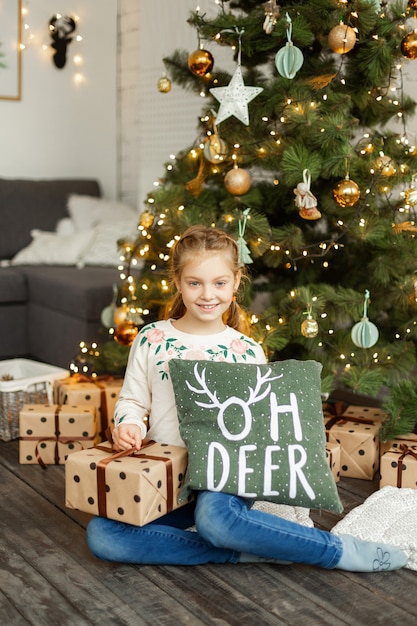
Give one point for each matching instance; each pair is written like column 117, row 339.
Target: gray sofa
column 45, row 310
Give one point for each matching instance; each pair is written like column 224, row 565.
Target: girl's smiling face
column 207, row 285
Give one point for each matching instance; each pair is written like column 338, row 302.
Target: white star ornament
column 234, row 98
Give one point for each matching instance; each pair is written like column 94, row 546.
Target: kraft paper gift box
column 409, row 439
column 357, row 433
column 399, row 467
column 333, row 455
column 100, row 393
column 133, row 488
column 49, row 433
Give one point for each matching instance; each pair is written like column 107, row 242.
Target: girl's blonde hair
column 196, row 240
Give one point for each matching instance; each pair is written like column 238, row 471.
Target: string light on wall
column 61, row 30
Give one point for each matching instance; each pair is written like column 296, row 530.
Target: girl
column 203, row 319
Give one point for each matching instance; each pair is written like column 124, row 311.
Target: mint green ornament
column 364, row 333
column 289, row 59
column 107, row 314
column 244, row 252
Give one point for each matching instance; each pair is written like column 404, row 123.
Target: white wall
column 167, row 122
column 58, row 128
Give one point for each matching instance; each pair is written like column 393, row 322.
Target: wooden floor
column 48, row 577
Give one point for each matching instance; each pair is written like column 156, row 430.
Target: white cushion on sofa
column 52, row 249
column 87, row 211
column 103, row 247
column 65, row 227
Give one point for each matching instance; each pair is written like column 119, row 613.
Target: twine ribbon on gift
column 98, row 381
column 101, row 474
column 340, row 418
column 404, row 451
column 57, row 439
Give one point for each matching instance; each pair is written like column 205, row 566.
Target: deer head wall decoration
column 61, row 27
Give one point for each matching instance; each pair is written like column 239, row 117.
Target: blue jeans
column 227, row 529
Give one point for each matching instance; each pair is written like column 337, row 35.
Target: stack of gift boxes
column 132, row 487
column 71, row 432
column 79, row 418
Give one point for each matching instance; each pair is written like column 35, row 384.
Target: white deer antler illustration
column 254, row 393
column 260, row 380
column 204, row 389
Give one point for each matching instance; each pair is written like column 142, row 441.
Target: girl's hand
column 127, row 436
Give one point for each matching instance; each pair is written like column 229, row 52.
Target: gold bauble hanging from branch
column 385, row 164
column 146, row 219
column 164, row 84
column 341, row 38
column 346, row 192
column 409, row 45
column 125, row 333
column 410, row 194
column 309, row 327
column 237, row 181
column 200, row 62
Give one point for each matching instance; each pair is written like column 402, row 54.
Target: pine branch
column 401, row 409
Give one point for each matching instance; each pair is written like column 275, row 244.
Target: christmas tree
column 303, row 154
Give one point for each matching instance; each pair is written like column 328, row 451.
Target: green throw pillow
column 255, row 430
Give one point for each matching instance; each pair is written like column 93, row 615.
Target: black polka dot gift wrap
column 356, row 430
column 399, row 467
column 101, row 392
column 49, row 433
column 133, row 488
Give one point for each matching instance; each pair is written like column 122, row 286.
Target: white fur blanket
column 388, row 515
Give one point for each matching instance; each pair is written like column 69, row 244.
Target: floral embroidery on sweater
column 171, row 347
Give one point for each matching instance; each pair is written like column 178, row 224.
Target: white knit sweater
column 147, row 391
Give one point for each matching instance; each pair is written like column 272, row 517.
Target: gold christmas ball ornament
column 309, row 328
column 200, row 62
column 215, row 149
column 410, row 196
column 237, row 181
column 125, row 333
column 164, row 84
column 341, row 38
column 412, row 4
column 346, row 193
column 146, row 219
column 385, row 164
column 409, row 45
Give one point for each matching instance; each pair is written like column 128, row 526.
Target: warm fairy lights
column 369, row 154
column 40, row 39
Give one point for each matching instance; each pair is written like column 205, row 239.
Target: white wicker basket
column 23, row 381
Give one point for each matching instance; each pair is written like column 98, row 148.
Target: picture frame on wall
column 10, row 50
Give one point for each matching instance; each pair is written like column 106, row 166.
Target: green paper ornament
column 244, row 252
column 364, row 333
column 289, row 59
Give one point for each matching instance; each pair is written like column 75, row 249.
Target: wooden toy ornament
column 305, row 200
